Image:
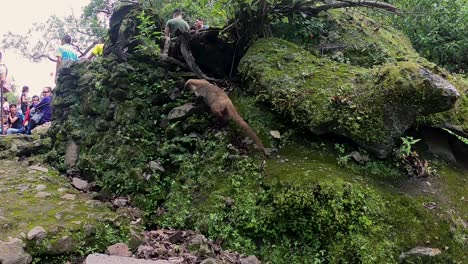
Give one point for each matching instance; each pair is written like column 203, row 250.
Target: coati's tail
column 232, row 112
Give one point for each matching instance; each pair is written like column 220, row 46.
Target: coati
column 221, row 106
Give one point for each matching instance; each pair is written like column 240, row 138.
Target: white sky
column 18, row 16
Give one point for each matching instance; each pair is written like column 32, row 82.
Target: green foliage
column 407, row 145
column 213, row 12
column 437, row 30
column 149, row 36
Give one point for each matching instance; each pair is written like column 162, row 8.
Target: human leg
column 11, row 131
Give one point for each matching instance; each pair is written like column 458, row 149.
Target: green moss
column 400, row 201
column 371, row 106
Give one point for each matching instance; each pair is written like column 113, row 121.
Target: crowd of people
column 29, row 113
column 37, row 110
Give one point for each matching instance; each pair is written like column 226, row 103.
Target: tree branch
column 310, row 9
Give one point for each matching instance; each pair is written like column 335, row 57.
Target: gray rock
column 119, row 249
column 62, row 190
column 41, row 187
column 250, row 260
column 120, row 202
column 421, row 251
column 12, row 252
column 358, row 157
column 71, row 155
column 211, row 261
column 39, row 168
column 181, row 112
column 80, row 184
column 156, row 166
column 43, row 195
column 275, row 134
column 198, row 245
column 69, row 196
column 63, row 245
column 37, row 233
column 105, row 259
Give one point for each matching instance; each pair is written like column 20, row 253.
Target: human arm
column 45, row 101
column 11, row 120
column 57, row 66
column 166, row 32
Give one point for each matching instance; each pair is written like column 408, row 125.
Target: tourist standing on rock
column 42, row 111
column 15, row 121
column 174, row 27
column 24, row 99
column 65, row 53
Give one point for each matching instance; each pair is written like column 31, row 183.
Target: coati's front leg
column 221, row 118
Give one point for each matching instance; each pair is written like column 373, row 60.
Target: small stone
column 156, row 166
column 174, row 238
column 37, row 233
column 431, row 205
column 79, row 183
column 198, row 245
column 62, row 190
column 211, row 261
column 106, row 259
column 13, row 252
column 421, row 251
column 119, row 249
column 38, row 168
column 41, row 187
column 43, row 195
column 275, row 134
column 358, row 157
column 69, row 196
column 63, row 245
column 76, row 222
column 120, row 202
column 59, row 215
column 250, row 260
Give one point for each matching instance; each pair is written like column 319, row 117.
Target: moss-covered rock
column 371, row 106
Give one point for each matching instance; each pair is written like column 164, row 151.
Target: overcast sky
column 18, row 16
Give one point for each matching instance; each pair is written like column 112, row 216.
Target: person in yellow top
column 97, row 51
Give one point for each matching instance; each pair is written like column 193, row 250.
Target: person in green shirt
column 174, row 26
column 176, row 23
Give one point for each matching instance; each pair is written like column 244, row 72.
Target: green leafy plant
column 407, row 145
column 149, row 36
column 437, row 30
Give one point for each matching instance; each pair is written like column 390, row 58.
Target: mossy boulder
column 373, row 107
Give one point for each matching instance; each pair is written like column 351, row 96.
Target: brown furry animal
column 221, row 106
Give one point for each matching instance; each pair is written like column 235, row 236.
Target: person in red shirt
column 27, row 115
